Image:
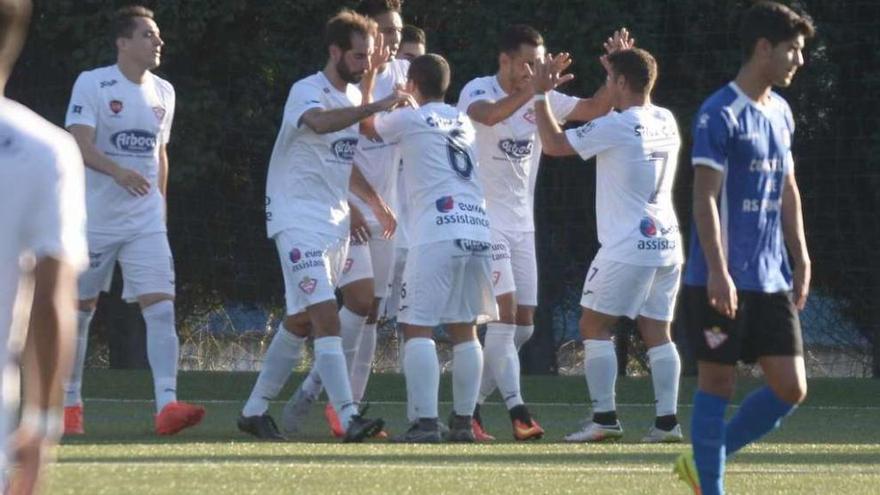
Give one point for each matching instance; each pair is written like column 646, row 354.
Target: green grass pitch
column 831, row 445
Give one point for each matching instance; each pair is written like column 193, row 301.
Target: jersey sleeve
column 788, row 166
column 304, row 96
column 83, row 107
column 561, row 104
column 473, row 92
column 57, row 219
column 712, row 133
column 169, row 115
column 592, row 138
column 390, row 125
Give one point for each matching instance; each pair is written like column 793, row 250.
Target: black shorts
column 766, row 324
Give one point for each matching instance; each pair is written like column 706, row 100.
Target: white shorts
column 447, row 282
column 372, row 259
column 392, row 302
column 622, row 289
column 146, row 261
column 311, row 263
column 514, row 266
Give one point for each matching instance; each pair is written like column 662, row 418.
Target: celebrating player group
column 421, row 210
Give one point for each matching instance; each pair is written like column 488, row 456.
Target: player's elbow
column 555, row 147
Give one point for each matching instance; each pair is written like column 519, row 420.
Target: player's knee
column 720, row 385
column 793, row 393
column 145, row 301
column 525, row 315
column 506, row 308
column 359, row 303
column 298, row 325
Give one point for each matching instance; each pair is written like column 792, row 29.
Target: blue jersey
column 750, row 144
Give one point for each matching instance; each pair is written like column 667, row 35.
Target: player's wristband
column 42, row 422
column 540, row 96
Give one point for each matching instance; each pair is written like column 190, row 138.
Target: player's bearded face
column 785, row 59
column 520, row 63
column 353, row 63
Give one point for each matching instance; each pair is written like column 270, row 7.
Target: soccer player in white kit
column 42, row 248
column 367, row 270
column 447, row 275
column 636, row 272
column 120, row 116
column 307, row 216
column 509, row 151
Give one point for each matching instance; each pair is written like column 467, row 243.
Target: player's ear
column 763, row 48
column 335, row 53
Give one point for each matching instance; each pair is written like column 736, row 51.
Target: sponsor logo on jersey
column 703, row 121
column 445, row 204
column 344, row 148
column 308, row 285
column 442, row 122
column 134, row 141
column 295, row 255
column 517, row 149
column 107, row 84
column 472, row 246
column 77, row 109
column 115, row 106
column 714, row 337
column 159, row 112
column 583, row 130
column 529, row 116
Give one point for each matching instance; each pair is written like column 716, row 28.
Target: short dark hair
column 15, row 15
column 124, row 20
column 774, row 22
column 373, row 8
column 412, row 34
column 343, row 25
column 637, row 66
column 431, row 74
column 519, row 34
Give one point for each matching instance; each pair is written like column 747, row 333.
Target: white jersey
column 636, row 158
column 509, row 154
column 376, row 159
column 444, row 198
column 307, row 185
column 42, row 199
column 132, row 122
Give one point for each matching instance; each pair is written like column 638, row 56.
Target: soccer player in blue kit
column 742, row 294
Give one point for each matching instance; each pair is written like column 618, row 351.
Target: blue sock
column 707, row 437
column 760, row 413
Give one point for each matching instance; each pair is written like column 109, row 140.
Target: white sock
column 330, row 363
column 350, row 328
column 422, row 371
column 467, row 366
column 665, row 372
column 487, row 382
column 523, row 334
column 503, row 361
column 401, row 354
column 363, row 362
column 163, row 349
column 600, row 368
column 282, row 356
column 73, row 387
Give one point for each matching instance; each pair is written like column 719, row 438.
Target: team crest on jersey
column 308, row 285
column 295, row 255
column 159, row 112
column 347, row 267
column 115, row 106
column 445, row 204
column 529, row 116
column 714, row 337
column 496, row 276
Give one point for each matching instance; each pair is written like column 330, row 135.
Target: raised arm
column 795, row 239
column 490, row 113
column 720, row 287
column 599, row 104
column 544, row 78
